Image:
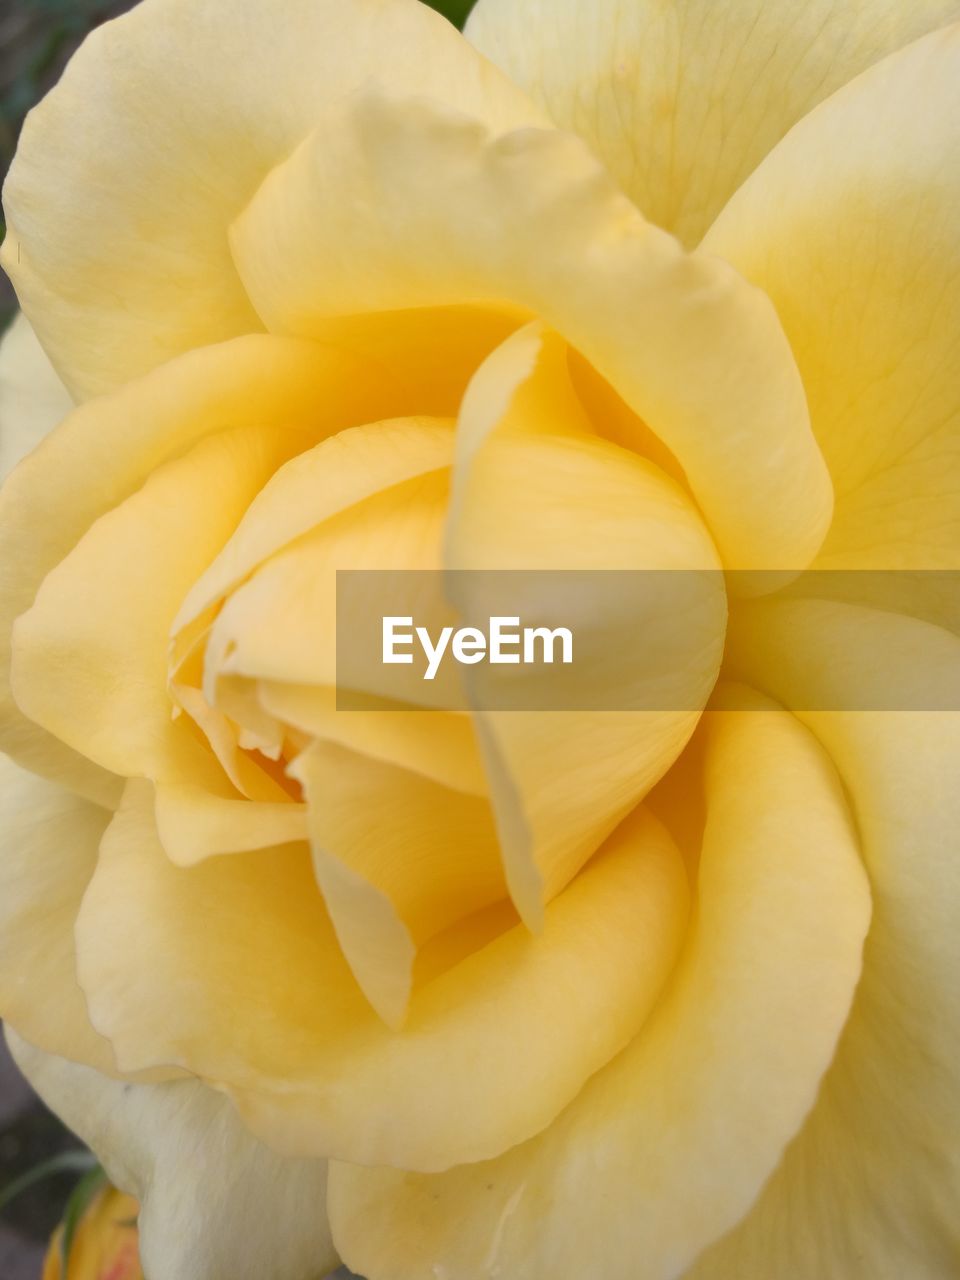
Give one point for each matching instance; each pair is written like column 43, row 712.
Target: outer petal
column 48, row 850
column 683, row 98
column 530, row 218
column 231, row 969
column 852, row 227
column 668, row 1147
column 164, row 124
column 90, row 656
column 215, row 1203
column 104, row 451
column 870, row 1190
column 32, row 398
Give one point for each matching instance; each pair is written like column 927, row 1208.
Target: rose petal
column 49, row 850
column 399, row 859
column 231, row 968
column 104, row 451
column 354, row 221
column 32, row 398
column 682, row 100
column 164, row 124
column 869, row 1189
column 668, row 1147
column 213, row 1200
column 851, row 227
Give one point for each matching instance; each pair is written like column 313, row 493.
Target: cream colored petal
column 852, row 227
column 232, row 969
column 871, row 1187
column 164, row 124
column 48, row 850
column 214, row 1202
column 529, row 217
column 90, row 655
column 535, row 490
column 399, row 859
column 104, row 451
column 667, row 1148
column 682, row 99
column 32, row 398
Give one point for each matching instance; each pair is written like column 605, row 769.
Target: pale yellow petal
column 668, row 1147
column 48, row 850
column 314, row 486
column 441, row 747
column 869, row 1190
column 529, row 217
column 851, row 225
column 398, row 528
column 534, row 489
column 399, row 859
column 90, row 655
column 194, row 823
column 214, row 1202
column 32, row 398
column 104, row 451
column 231, row 968
column 130, row 171
column 682, row 99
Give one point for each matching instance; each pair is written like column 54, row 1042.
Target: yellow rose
column 104, row 1244
column 631, row 994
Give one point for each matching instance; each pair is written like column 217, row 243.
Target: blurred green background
column 36, row 39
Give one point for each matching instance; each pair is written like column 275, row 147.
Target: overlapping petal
column 48, row 850
column 399, row 859
column 129, row 173
column 666, row 1149
column 536, row 489
column 232, row 969
column 682, row 100
column 869, row 1189
column 850, row 225
column 32, row 398
column 103, row 453
column 180, row 1144
column 528, row 217
column 90, row 656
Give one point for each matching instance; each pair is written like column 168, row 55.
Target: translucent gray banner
column 646, row 640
